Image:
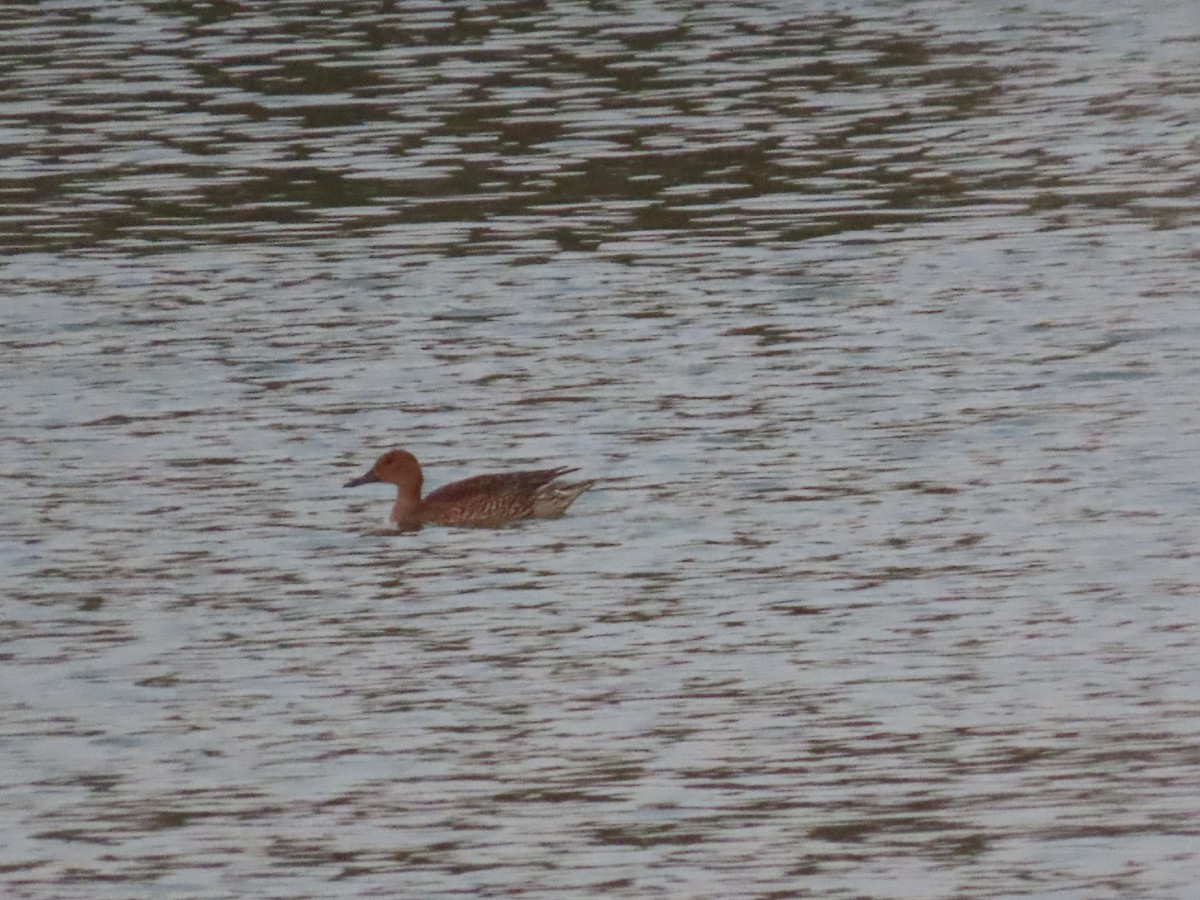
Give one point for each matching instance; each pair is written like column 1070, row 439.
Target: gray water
column 877, row 322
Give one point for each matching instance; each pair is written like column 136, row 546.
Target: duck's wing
column 489, row 499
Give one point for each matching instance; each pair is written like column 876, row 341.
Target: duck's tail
column 552, row 500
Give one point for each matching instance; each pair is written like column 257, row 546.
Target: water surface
column 877, row 322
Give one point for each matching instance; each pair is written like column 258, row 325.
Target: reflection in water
column 561, row 129
column 877, row 326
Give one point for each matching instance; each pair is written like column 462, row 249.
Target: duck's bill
column 362, row 479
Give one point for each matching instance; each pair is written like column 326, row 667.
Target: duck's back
column 489, row 500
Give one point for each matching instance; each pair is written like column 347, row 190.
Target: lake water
column 877, row 321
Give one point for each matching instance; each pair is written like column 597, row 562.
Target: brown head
column 396, row 467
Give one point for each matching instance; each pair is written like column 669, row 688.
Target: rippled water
column 878, row 322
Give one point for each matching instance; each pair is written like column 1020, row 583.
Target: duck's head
column 398, row 467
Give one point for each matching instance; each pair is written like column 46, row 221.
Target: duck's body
column 485, row 501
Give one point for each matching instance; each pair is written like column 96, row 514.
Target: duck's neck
column 406, row 510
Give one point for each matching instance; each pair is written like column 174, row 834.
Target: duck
column 484, row 501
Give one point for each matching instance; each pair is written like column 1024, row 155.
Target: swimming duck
column 485, row 501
